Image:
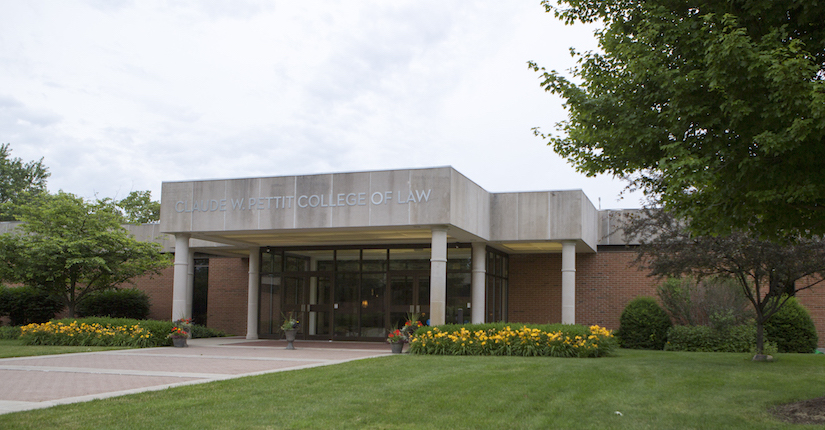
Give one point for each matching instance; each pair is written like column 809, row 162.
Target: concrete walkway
column 44, row 381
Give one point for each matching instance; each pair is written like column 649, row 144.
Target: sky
column 119, row 96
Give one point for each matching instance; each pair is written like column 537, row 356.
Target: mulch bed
column 804, row 412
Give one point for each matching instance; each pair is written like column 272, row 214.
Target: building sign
column 303, row 201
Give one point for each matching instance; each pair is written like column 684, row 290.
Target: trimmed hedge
column 792, row 328
column 121, row 303
column 553, row 340
column 701, row 338
column 643, row 324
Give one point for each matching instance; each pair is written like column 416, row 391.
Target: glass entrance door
column 308, row 298
column 409, row 294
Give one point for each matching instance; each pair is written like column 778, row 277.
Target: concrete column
column 568, row 282
column 479, row 281
column 190, row 285
column 181, row 276
column 254, row 286
column 438, row 276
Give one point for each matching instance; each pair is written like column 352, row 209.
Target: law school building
column 352, row 254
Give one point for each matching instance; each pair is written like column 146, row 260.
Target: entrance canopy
column 380, row 207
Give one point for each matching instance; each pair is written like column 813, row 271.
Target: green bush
column 121, row 303
column 643, row 325
column 199, row 332
column 701, row 338
column 9, row 332
column 792, row 329
column 26, row 305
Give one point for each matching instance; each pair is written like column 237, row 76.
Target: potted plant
column 178, row 336
column 290, row 328
column 398, row 337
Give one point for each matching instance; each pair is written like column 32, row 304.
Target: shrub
column 9, row 332
column 716, row 302
column 26, row 305
column 741, row 338
column 120, row 303
column 643, row 325
column 199, row 331
column 555, row 340
column 792, row 329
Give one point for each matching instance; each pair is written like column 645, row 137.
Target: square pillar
column 254, row 287
column 568, row 282
column 438, row 276
column 479, row 282
column 181, row 277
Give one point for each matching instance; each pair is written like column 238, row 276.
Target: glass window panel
column 459, row 259
column 373, row 288
column 458, row 296
column 296, row 263
column 348, row 260
column 374, row 260
column 347, row 305
column 271, row 262
column 490, row 314
column 323, row 258
column 410, row 259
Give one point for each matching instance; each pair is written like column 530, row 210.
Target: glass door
column 409, row 294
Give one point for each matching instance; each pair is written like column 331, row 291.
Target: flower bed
column 554, row 340
column 103, row 332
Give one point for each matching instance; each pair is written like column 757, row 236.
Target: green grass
column 652, row 390
column 16, row 348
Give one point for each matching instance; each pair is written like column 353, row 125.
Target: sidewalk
column 44, row 381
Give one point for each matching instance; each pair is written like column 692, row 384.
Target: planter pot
column 290, row 337
column 179, row 342
column 397, row 347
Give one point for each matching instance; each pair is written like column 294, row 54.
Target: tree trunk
column 760, row 337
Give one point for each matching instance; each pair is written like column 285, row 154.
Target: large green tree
column 72, row 247
column 139, row 208
column 20, row 182
column 715, row 108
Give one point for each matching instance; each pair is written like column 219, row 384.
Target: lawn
column 16, row 348
column 651, row 390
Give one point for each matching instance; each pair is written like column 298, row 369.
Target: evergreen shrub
column 741, row 338
column 26, row 305
column 792, row 329
column 117, row 303
column 643, row 325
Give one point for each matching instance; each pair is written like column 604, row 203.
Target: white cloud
column 119, row 96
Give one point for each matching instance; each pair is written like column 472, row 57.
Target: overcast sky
column 119, row 96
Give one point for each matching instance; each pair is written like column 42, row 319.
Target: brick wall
column 814, row 301
column 159, row 289
column 227, row 300
column 605, row 283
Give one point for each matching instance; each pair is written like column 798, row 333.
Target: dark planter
column 179, row 342
column 290, row 337
column 397, row 347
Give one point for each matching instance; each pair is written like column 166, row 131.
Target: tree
column 714, row 108
column 19, row 182
column 767, row 272
column 72, row 248
column 138, row 208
